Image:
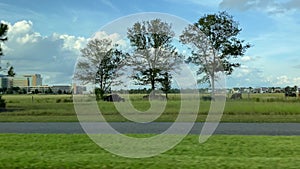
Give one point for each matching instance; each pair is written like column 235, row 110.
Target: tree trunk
column 153, row 87
column 213, row 85
column 102, row 90
column 153, row 83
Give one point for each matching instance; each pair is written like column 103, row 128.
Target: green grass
column 78, row 151
column 257, row 108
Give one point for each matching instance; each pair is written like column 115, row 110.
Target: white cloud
column 52, row 56
column 115, row 38
column 242, row 71
column 22, row 32
column 21, row 27
column 282, row 80
column 29, row 38
column 246, row 58
column 71, row 42
column 245, row 69
column 285, row 80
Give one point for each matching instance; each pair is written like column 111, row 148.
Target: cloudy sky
column 45, row 36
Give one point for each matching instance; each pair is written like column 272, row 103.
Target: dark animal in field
column 154, row 97
column 290, row 94
column 113, row 98
column 235, row 96
column 207, row 98
column 291, row 91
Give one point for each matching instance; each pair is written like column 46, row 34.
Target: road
column 150, row 128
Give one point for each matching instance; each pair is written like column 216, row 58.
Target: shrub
column 68, row 100
column 2, row 103
column 206, row 98
column 58, row 100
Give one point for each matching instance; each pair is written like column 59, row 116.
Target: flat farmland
column 252, row 108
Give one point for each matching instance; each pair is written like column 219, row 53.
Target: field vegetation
column 78, row 151
column 255, row 108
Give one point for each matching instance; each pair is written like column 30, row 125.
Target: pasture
column 255, row 108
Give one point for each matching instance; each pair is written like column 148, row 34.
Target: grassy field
column 220, row 151
column 78, row 151
column 256, row 108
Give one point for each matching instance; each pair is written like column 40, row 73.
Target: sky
column 45, row 37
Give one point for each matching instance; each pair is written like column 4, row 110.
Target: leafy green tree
column 49, row 91
column 153, row 51
column 3, row 37
column 2, row 103
column 59, row 91
column 36, row 91
column 11, row 72
column 101, row 63
column 3, row 32
column 214, row 42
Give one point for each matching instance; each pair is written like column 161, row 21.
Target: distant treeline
column 148, row 91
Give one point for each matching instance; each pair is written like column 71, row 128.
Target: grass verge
column 78, row 151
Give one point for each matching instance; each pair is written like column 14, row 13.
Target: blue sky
column 46, row 36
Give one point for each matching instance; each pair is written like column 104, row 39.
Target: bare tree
column 101, row 63
column 166, row 83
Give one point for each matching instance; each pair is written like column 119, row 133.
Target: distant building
column 78, row 89
column 5, row 82
column 20, row 81
column 61, row 89
column 34, row 80
column 27, row 80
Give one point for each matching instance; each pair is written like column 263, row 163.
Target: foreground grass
column 258, row 108
column 78, row 151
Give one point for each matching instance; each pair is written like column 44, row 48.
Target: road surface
column 150, row 128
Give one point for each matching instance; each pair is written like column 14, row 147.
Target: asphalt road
column 150, row 128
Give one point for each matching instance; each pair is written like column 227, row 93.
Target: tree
column 100, row 63
column 49, row 91
column 214, row 42
column 36, row 91
column 11, row 72
column 153, row 52
column 3, row 32
column 2, row 104
column 166, row 83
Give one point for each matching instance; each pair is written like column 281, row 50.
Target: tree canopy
column 3, row 32
column 153, row 52
column 214, row 42
column 11, row 72
column 100, row 63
